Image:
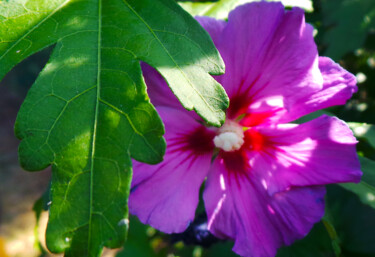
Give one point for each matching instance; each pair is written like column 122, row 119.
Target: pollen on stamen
column 230, row 137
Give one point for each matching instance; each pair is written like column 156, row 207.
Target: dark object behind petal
column 196, row 234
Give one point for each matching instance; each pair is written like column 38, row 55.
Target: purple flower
column 265, row 178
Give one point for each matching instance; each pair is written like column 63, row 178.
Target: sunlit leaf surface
column 88, row 112
column 221, row 9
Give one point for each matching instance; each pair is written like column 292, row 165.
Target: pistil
column 230, row 137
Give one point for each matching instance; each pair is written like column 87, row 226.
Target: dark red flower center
column 200, row 141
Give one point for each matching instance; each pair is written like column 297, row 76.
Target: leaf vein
column 170, row 56
column 34, row 28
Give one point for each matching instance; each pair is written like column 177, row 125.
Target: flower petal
column 268, row 61
column 239, row 208
column 318, row 152
column 213, row 26
column 166, row 195
column 339, row 85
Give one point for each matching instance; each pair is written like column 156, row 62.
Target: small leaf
column 366, row 188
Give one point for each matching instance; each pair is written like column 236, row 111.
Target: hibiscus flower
column 264, row 176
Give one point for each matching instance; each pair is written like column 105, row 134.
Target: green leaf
column 363, row 131
column 307, row 5
column 366, row 188
column 39, row 206
column 88, row 112
column 169, row 39
column 312, row 116
column 346, row 34
column 221, row 9
column 316, row 244
column 353, row 221
column 331, row 230
column 139, row 243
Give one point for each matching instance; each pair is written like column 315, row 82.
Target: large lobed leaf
column 88, row 111
column 157, row 32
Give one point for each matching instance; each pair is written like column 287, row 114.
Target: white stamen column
column 230, row 137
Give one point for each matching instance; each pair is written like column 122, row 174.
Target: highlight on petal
column 166, row 195
column 319, row 152
column 239, row 208
column 267, row 60
column 338, row 86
